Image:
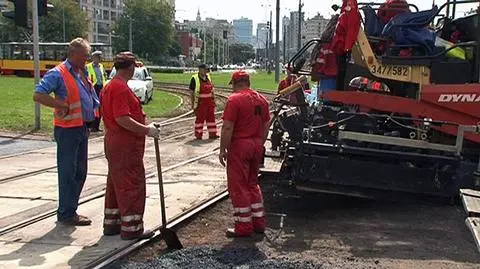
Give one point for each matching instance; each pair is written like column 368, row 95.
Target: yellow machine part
column 363, row 55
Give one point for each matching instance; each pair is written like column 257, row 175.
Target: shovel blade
column 171, row 238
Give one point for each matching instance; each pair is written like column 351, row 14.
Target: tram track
column 178, row 132
column 99, row 192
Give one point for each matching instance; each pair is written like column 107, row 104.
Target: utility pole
column 284, row 40
column 270, row 44
column 299, row 45
column 130, row 38
column 277, row 45
column 205, row 45
column 36, row 57
column 213, row 48
column 267, row 56
column 218, row 52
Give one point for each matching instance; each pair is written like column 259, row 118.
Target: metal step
column 471, row 202
column 271, row 166
column 474, row 225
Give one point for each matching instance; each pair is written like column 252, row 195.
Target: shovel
column 170, row 237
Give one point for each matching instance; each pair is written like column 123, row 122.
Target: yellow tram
column 16, row 58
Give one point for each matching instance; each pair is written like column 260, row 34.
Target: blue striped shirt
column 53, row 82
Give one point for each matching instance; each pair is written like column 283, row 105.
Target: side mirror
column 148, row 78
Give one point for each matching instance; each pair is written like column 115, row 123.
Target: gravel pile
column 214, row 258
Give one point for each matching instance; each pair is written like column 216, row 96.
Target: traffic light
column 42, row 7
column 21, row 11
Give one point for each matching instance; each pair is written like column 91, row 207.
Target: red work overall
column 249, row 112
column 205, row 110
column 124, row 150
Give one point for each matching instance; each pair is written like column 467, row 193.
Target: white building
column 102, row 14
column 315, row 26
column 292, row 33
column 260, row 40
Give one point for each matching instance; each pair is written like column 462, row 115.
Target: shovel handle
column 160, row 182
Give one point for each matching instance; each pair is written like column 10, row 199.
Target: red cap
column 238, row 75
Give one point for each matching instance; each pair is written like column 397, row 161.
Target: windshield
column 138, row 75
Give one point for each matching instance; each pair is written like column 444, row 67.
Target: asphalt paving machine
column 404, row 118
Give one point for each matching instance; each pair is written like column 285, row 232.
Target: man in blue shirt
column 74, row 104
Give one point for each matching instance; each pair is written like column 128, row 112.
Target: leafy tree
column 241, row 53
column 174, row 49
column 152, row 28
column 76, row 22
column 50, row 26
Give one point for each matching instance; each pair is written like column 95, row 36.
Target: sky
column 259, row 10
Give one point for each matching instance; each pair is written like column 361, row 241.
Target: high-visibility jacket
column 93, row 75
column 74, row 117
column 197, row 89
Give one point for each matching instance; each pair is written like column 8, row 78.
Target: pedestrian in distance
column 125, row 131
column 203, row 102
column 74, row 104
column 246, row 120
column 96, row 73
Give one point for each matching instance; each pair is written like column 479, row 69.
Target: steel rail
column 100, row 194
column 174, row 223
column 167, row 122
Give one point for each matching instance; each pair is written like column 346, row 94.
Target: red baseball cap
column 238, row 75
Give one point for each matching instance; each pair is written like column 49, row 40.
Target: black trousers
column 96, row 124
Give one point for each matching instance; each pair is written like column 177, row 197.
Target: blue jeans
column 72, row 154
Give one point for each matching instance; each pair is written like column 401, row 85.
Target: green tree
column 76, row 22
column 50, row 26
column 241, row 53
column 152, row 28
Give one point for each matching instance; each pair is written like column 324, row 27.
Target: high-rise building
column 243, row 29
column 293, row 33
column 262, row 35
column 286, row 37
column 102, row 14
column 315, row 26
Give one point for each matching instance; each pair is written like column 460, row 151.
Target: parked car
column 141, row 83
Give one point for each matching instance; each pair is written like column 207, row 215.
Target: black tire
column 146, row 98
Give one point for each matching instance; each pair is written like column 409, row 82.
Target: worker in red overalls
column 246, row 120
column 290, row 79
column 203, row 102
column 125, row 132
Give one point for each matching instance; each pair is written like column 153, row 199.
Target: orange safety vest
column 74, row 117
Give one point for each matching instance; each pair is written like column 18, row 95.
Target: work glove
column 154, row 130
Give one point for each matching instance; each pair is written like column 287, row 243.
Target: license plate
column 391, row 71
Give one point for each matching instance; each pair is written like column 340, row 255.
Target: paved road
column 9, row 146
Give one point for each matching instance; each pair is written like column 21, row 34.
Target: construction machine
column 404, row 118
